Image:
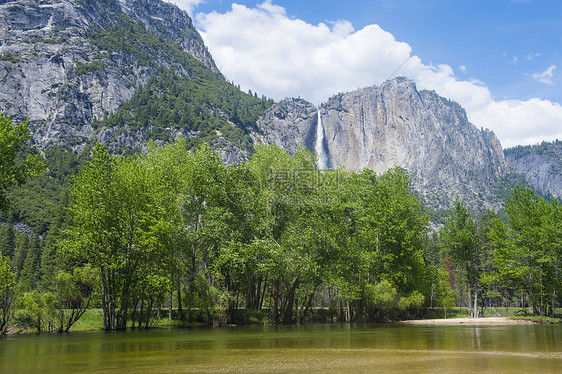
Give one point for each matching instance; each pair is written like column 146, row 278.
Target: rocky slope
column 397, row 125
column 541, row 165
column 126, row 71
column 288, row 124
column 63, row 65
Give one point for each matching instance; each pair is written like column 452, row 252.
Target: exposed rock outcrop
column 541, row 165
column 429, row 136
column 397, row 125
column 288, row 124
column 55, row 70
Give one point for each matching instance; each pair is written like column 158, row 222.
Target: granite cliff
column 288, row 124
column 123, row 72
column 67, row 63
column 540, row 164
column 394, row 124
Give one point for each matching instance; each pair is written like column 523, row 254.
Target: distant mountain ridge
column 541, row 164
column 67, row 65
column 124, row 72
column 394, row 124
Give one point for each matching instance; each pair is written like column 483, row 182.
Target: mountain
column 394, row 124
column 541, row 164
column 125, row 72
column 72, row 66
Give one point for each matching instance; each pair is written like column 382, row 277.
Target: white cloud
column 187, row 5
column 546, row 76
column 531, row 57
column 265, row 50
column 462, row 68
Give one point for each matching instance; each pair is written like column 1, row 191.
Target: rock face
column 429, row 136
column 541, row 165
column 54, row 71
column 397, row 125
column 288, row 124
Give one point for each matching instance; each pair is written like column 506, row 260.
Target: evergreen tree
column 20, row 254
column 31, row 270
column 8, row 240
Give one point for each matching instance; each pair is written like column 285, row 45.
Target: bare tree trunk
column 170, row 303
column 180, row 311
column 469, row 299
column 274, row 308
column 475, row 313
column 288, row 317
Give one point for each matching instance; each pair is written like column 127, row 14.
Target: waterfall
column 319, row 146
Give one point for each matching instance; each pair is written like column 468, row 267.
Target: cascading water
column 319, row 146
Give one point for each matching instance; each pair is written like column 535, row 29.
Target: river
column 316, row 348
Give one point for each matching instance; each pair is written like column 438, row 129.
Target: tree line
column 176, row 231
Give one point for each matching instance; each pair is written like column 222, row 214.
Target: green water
column 292, row 349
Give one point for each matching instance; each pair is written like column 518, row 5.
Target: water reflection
column 309, row 348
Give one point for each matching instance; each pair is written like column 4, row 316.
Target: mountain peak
column 67, row 63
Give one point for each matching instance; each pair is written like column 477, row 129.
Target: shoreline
column 489, row 321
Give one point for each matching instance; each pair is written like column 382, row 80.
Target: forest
column 174, row 231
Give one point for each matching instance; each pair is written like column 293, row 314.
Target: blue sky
column 501, row 59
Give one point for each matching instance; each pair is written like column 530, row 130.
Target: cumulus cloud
column 271, row 53
column 546, row 76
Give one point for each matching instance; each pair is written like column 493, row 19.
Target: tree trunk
column 274, row 308
column 288, row 317
column 180, row 311
column 475, row 298
column 469, row 299
column 170, row 303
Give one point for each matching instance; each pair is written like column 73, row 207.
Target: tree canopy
column 12, row 170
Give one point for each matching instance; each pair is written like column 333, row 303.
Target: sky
column 500, row 59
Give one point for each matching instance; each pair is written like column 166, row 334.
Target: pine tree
column 20, row 254
column 30, row 274
column 8, row 240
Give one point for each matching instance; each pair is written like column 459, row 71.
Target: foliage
column 528, row 247
column 12, row 139
column 445, row 294
column 122, row 222
column 184, row 95
column 215, row 244
column 74, row 292
column 458, row 237
column 7, row 293
column 520, row 151
column 38, row 202
column 38, row 310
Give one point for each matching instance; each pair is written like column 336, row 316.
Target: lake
column 315, row 348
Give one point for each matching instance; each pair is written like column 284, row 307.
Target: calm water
column 292, row 349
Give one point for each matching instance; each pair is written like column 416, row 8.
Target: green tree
column 30, row 273
column 13, row 171
column 22, row 248
column 528, row 249
column 445, row 294
column 491, row 289
column 38, row 310
column 8, row 240
column 458, row 236
column 7, row 293
column 74, row 292
column 121, row 225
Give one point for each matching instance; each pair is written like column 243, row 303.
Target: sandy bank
column 471, row 321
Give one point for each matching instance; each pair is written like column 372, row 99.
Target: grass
column 91, row 320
